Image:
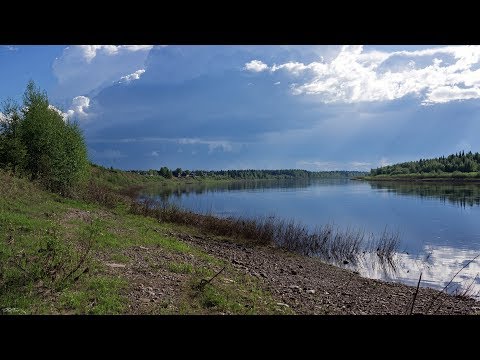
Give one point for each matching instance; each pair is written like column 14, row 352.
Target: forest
column 455, row 164
column 250, row 174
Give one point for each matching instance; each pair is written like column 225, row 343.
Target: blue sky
column 265, row 107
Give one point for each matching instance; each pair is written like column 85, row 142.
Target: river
column 438, row 224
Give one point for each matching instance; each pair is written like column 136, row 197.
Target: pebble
column 310, row 291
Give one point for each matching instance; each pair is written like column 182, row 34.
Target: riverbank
column 421, row 178
column 72, row 256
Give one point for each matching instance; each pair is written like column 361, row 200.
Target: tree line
column 249, row 174
column 460, row 162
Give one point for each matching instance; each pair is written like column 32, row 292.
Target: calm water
column 439, row 224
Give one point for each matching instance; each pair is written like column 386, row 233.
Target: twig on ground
column 415, row 295
column 204, row 282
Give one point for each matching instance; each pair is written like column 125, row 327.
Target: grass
column 444, row 176
column 325, row 242
column 180, row 268
column 229, row 293
column 53, row 252
column 98, row 296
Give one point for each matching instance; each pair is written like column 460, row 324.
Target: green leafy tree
column 177, row 172
column 42, row 143
column 12, row 151
column 165, row 172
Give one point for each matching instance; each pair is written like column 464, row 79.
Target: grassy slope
column 43, row 238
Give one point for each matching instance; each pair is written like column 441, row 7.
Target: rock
column 282, row 304
column 310, row 291
column 293, row 272
column 345, row 262
column 263, row 275
column 295, row 288
column 143, row 248
column 237, row 262
column 144, row 300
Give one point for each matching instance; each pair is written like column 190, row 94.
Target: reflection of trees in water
column 457, row 194
column 184, row 189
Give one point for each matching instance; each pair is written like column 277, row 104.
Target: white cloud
column 79, row 105
column 384, row 162
column 293, row 67
column 213, row 145
column 359, row 165
column 445, row 94
column 277, row 83
column 333, row 165
column 11, row 48
column 255, row 66
column 354, row 75
column 223, row 145
column 3, row 118
column 134, row 76
column 155, row 153
column 89, row 52
column 60, row 112
column 85, row 69
column 318, row 165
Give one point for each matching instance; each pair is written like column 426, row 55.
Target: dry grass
column 326, row 242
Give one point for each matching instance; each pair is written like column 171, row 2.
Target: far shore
column 420, row 179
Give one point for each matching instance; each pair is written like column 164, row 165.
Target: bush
column 38, row 141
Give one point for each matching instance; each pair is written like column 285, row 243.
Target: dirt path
column 309, row 286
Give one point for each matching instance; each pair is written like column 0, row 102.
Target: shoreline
column 144, row 265
column 422, row 180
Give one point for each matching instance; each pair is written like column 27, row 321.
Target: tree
column 47, row 147
column 12, row 151
column 165, row 172
column 177, row 172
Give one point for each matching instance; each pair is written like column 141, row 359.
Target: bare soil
column 303, row 284
column 310, row 286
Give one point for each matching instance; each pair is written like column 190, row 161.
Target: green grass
column 98, row 296
column 231, row 292
column 43, row 238
column 180, row 268
column 120, row 258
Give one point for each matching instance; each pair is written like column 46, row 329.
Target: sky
column 313, row 107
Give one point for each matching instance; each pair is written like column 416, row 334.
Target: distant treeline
column 458, row 163
column 250, row 174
